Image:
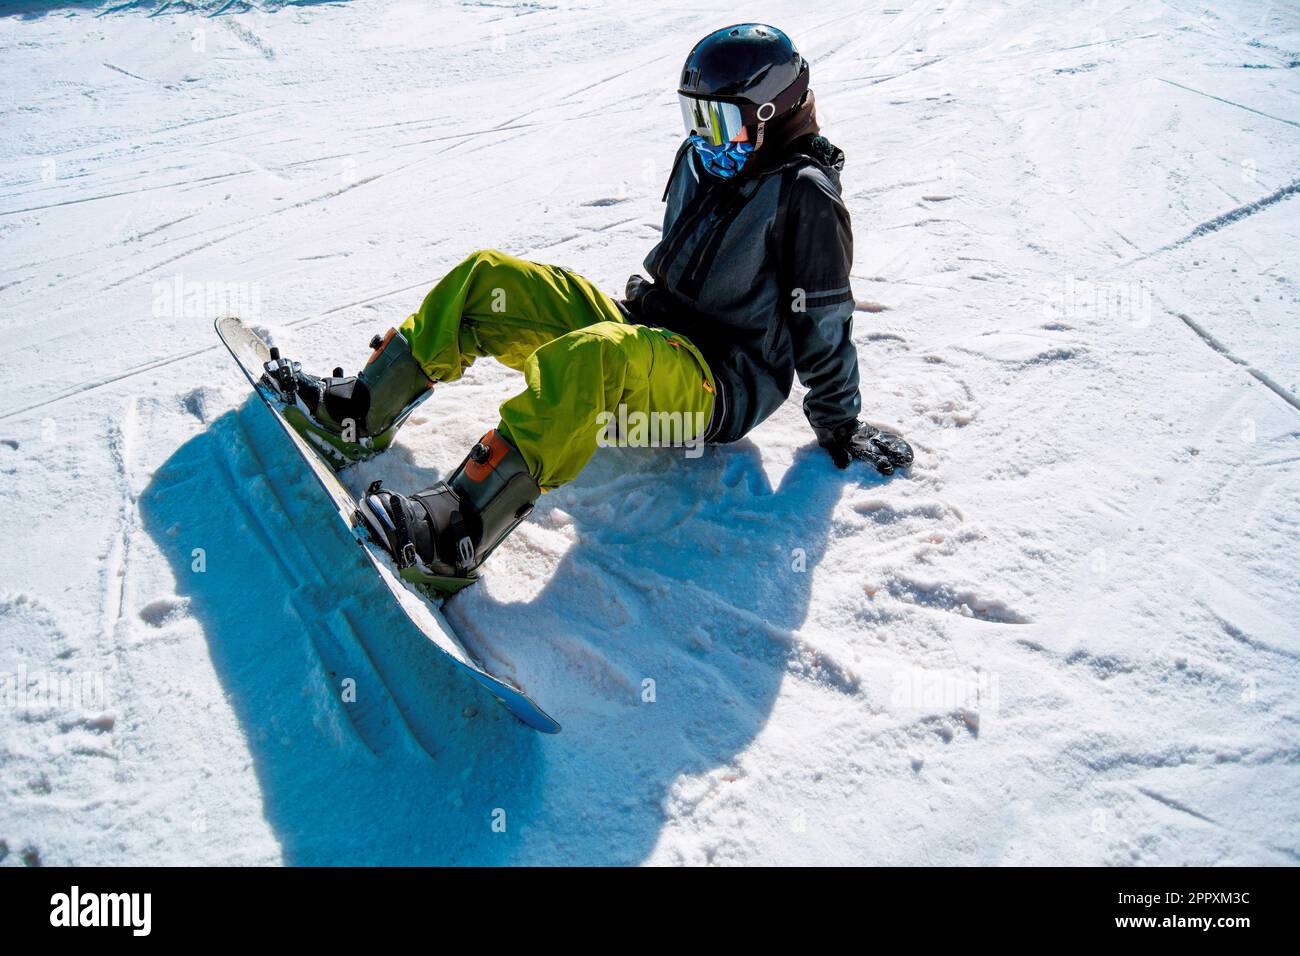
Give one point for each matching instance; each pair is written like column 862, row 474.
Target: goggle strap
column 784, row 101
column 788, row 98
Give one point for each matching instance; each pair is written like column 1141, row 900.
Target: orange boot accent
column 476, row 470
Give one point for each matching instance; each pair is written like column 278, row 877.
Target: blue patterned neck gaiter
column 722, row 161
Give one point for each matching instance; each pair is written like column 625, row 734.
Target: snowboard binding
column 350, row 418
column 439, row 537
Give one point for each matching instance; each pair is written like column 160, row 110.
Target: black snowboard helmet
column 741, row 78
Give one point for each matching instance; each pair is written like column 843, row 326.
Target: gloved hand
column 637, row 285
column 636, row 293
column 858, row 440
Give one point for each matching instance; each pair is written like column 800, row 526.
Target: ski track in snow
column 1065, row 636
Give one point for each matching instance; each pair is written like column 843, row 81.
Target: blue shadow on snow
column 412, row 771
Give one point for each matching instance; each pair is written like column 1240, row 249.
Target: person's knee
column 610, row 333
column 484, row 257
column 607, row 339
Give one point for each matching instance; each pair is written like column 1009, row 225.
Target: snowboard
column 251, row 354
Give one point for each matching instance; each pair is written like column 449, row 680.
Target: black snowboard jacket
column 755, row 272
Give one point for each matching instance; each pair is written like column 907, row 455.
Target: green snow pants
column 591, row 377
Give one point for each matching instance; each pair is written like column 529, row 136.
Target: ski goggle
column 717, row 122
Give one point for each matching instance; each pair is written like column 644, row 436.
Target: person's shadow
column 659, row 640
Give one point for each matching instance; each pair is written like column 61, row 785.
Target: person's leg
column 585, row 368
column 494, row 304
column 490, row 304
column 593, row 381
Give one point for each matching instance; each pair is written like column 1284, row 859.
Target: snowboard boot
column 440, row 536
column 350, row 418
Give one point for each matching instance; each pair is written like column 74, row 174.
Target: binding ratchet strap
column 457, row 531
column 405, row 550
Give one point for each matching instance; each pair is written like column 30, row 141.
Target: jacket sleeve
column 818, row 253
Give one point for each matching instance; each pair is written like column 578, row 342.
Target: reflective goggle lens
column 717, row 122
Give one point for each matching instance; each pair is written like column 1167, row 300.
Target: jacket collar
column 810, row 148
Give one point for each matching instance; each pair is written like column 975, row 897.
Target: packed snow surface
column 1067, row 636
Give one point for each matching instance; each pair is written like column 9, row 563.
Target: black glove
column 855, row 439
column 638, row 290
column 637, row 285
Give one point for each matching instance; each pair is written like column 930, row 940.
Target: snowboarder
column 748, row 286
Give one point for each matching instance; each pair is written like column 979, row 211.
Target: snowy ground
column 1068, row 636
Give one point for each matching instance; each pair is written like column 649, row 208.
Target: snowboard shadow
column 417, row 765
